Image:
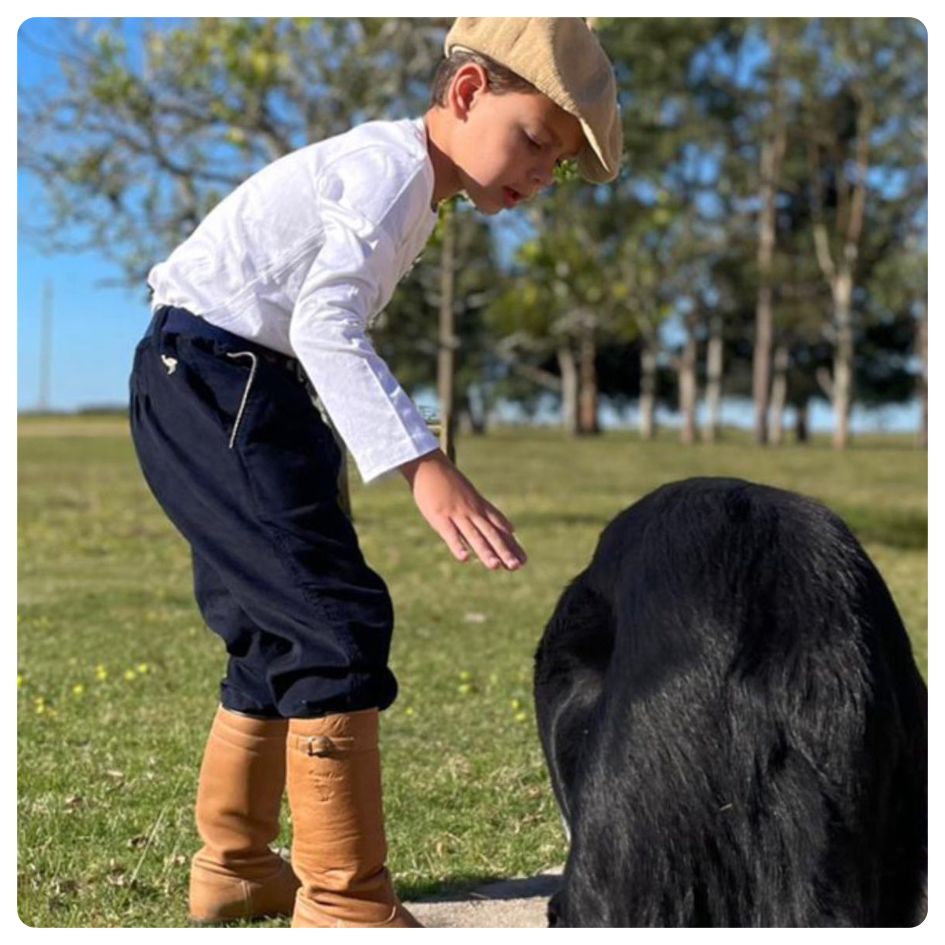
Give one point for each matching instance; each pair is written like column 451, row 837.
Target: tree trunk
column 688, row 387
column 647, row 385
column 446, row 358
column 772, row 154
column 772, row 159
column 587, row 382
column 922, row 343
column 471, row 420
column 713, row 388
column 761, row 363
column 802, row 423
column 779, row 390
column 843, row 360
column 569, row 389
column 840, row 274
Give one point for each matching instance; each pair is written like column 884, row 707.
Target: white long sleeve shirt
column 303, row 256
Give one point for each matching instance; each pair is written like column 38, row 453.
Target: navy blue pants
column 235, row 451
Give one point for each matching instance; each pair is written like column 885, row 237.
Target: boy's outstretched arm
column 460, row 515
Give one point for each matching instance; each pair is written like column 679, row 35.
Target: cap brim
column 590, row 161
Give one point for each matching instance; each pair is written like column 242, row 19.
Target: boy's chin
column 486, row 204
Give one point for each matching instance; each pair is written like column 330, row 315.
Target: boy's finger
column 499, row 520
column 506, row 534
column 480, row 544
column 502, row 543
column 454, row 540
column 518, row 550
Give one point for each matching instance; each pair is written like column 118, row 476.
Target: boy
column 260, row 318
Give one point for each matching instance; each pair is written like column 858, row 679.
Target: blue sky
column 96, row 327
column 94, row 331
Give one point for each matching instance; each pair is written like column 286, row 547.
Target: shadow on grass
column 535, row 519
column 903, row 530
column 907, row 531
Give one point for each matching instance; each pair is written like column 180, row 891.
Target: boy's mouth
column 512, row 197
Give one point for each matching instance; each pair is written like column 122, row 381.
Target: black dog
column 733, row 721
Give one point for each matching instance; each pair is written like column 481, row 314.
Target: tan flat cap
column 562, row 58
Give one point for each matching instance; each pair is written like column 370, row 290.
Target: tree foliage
column 149, row 125
column 142, row 126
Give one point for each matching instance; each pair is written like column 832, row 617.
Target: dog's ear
column 555, row 915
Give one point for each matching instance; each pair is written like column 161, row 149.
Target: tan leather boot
column 338, row 844
column 236, row 875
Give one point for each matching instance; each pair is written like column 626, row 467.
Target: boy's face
column 506, row 146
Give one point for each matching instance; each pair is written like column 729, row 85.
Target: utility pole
column 45, row 349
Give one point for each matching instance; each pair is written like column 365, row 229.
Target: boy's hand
column 460, row 515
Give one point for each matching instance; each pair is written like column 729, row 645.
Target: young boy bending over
column 259, row 329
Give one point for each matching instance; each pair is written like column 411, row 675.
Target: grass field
column 117, row 677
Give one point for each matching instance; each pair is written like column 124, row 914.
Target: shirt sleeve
column 350, row 281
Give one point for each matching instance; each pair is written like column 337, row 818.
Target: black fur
column 733, row 721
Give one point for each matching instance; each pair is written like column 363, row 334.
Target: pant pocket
column 218, row 382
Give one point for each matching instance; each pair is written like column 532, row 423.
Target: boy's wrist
column 409, row 469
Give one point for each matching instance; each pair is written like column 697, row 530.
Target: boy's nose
column 543, row 176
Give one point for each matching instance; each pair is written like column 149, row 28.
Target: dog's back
column 733, row 721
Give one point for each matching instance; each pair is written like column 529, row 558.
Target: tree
column 555, row 302
column 459, row 281
column 811, row 213
column 675, row 112
column 150, row 123
column 870, row 77
column 781, row 39
column 773, row 171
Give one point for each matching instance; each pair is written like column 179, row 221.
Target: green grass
column 117, row 678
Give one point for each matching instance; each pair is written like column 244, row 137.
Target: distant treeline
column 766, row 236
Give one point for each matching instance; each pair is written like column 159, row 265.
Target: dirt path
column 511, row 904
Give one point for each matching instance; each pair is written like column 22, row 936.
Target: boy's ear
column 469, row 82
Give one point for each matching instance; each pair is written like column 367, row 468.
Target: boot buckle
column 318, row 746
